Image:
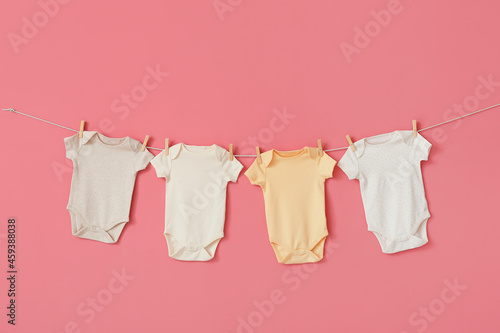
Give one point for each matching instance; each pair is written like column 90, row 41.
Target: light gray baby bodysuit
column 104, row 172
column 388, row 169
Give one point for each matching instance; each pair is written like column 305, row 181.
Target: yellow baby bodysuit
column 294, row 197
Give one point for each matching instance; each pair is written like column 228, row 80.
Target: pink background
column 227, row 73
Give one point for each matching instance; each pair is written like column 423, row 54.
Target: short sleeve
column 231, row 168
column 142, row 159
column 72, row 144
column 326, row 165
column 349, row 164
column 256, row 173
column 421, row 148
column 162, row 164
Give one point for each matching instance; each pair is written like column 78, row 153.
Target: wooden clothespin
column 167, row 144
column 259, row 159
column 231, row 156
column 143, row 148
column 320, row 147
column 350, row 143
column 82, row 127
column 414, row 128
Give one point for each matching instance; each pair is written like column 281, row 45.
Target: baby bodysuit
column 195, row 201
column 104, row 172
column 388, row 169
column 294, row 195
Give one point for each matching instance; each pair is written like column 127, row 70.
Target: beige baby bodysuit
column 104, row 172
column 196, row 179
column 294, row 196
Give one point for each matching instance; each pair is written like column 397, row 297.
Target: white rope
column 463, row 116
column 333, row 149
column 45, row 121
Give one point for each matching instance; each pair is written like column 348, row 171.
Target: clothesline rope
column 333, row 149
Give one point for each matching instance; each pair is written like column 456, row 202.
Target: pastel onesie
column 104, row 172
column 196, row 180
column 294, row 195
column 388, row 169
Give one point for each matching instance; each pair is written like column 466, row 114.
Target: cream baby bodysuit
column 195, row 201
column 104, row 172
column 294, row 195
column 388, row 169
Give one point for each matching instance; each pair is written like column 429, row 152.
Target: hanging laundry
column 104, row 172
column 294, row 194
column 388, row 169
column 195, row 201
